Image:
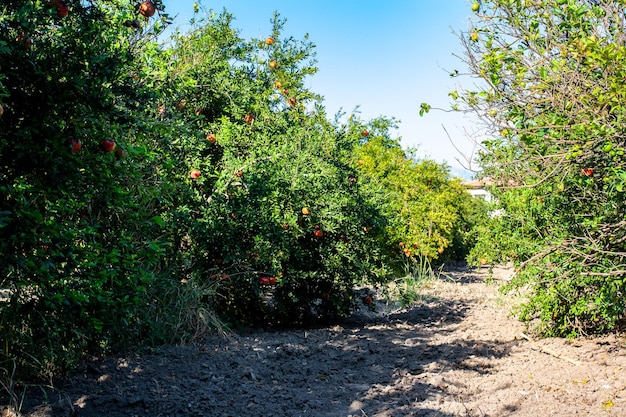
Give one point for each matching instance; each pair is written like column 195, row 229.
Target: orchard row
column 152, row 192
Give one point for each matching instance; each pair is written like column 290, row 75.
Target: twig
column 468, row 160
column 550, row 351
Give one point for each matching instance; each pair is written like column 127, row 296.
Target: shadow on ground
column 380, row 366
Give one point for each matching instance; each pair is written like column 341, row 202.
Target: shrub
column 82, row 236
column 430, row 213
column 277, row 219
column 552, row 96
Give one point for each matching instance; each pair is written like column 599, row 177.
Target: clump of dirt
column 456, row 353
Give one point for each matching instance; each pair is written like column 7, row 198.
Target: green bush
column 555, row 155
column 431, row 214
column 277, row 218
column 82, row 238
column 151, row 192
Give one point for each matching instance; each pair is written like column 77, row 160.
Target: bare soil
column 456, row 353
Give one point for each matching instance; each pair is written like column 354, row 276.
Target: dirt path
column 455, row 354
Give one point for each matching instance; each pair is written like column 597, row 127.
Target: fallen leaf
column 607, row 404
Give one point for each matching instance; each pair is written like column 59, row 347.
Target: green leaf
column 158, row 220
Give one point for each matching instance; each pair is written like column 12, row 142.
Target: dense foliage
column 431, row 215
column 552, row 95
column 80, row 240
column 151, row 192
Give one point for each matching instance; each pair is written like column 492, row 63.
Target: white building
column 478, row 189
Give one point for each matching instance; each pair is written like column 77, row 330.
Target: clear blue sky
column 385, row 56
